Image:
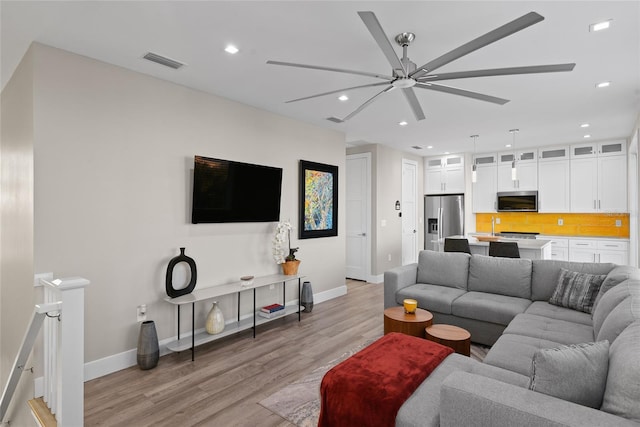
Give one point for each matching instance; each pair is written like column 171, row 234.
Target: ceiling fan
column 406, row 75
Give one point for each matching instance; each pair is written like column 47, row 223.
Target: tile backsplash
column 573, row 224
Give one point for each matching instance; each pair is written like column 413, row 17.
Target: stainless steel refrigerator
column 444, row 216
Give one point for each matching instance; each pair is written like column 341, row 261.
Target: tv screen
column 228, row 191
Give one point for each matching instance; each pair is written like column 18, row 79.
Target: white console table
column 239, row 325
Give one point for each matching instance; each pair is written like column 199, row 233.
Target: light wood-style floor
column 229, row 377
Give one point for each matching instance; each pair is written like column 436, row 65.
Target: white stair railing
column 63, row 349
column 64, row 352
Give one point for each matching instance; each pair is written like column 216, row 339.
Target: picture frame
column 318, row 200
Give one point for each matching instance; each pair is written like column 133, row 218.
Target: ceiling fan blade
column 336, row 91
column 534, row 69
column 374, row 27
column 482, row 41
column 412, row 99
column 462, row 92
column 337, row 70
column 362, row 107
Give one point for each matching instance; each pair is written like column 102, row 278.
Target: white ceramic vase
column 215, row 320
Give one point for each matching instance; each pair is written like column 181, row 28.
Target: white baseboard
column 376, row 279
column 117, row 362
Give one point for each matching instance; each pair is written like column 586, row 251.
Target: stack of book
column 271, row 311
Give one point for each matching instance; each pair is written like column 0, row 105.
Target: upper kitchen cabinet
column 554, row 179
column 599, row 177
column 486, row 185
column 526, row 170
column 444, row 175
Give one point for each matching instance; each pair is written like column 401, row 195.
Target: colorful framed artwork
column 318, row 200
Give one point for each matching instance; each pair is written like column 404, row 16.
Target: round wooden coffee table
column 396, row 320
column 458, row 339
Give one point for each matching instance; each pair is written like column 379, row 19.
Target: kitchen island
column 529, row 248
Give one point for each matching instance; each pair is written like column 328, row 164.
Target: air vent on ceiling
column 163, row 60
column 416, row 147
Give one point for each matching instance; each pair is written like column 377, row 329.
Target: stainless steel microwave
column 518, row 201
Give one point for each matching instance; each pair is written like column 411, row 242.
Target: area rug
column 299, row 402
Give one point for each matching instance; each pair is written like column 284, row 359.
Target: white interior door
column 358, row 214
column 409, row 212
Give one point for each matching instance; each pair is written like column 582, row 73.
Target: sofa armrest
column 473, row 400
column 396, row 279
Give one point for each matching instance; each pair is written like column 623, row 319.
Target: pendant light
column 474, row 174
column 514, row 173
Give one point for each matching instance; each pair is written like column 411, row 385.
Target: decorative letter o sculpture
column 171, row 291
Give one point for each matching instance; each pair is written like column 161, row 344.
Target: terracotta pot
column 290, row 268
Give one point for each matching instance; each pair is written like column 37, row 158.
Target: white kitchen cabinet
column 444, row 175
column 559, row 248
column 554, row 179
column 599, row 250
column 486, row 185
column 598, row 177
column 526, row 171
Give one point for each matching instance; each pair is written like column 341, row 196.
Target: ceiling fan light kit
column 406, row 75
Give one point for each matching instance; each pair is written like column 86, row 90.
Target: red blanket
column 368, row 388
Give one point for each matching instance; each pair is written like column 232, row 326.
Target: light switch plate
column 560, row 221
column 497, row 220
column 618, row 223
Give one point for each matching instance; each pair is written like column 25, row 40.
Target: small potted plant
column 289, row 262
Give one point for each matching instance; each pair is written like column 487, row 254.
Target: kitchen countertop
column 522, row 243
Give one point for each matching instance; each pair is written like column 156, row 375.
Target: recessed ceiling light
column 508, row 145
column 416, row 147
column 587, row 136
column 603, row 84
column 231, row 49
column 446, row 152
column 429, row 147
column 584, row 125
column 403, row 123
column 343, row 98
column 599, row 26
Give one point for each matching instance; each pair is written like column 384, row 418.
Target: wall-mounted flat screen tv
column 228, row 191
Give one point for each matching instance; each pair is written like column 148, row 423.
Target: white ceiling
column 547, row 108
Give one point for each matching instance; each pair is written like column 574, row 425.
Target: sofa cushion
column 430, row 297
column 616, row 276
column 502, row 276
column 515, row 352
column 610, row 300
column 577, row 373
column 559, row 331
column 545, row 273
column 422, row 407
column 625, row 313
column 623, row 380
column 449, row 269
column 487, row 307
column 544, row 309
column 576, row 290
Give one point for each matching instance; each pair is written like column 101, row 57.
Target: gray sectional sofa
column 587, row 365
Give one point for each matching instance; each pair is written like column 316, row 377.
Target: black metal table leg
column 299, row 299
column 254, row 312
column 193, row 331
column 178, row 321
column 238, row 308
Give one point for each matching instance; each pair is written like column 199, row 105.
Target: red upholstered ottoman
column 368, row 388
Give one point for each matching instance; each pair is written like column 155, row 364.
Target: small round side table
column 396, row 320
column 458, row 339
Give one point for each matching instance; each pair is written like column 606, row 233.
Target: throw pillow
column 576, row 373
column 576, row 290
column 623, row 379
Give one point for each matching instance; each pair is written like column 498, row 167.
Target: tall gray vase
column 307, row 297
column 148, row 351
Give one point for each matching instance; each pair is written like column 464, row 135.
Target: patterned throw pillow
column 577, row 290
